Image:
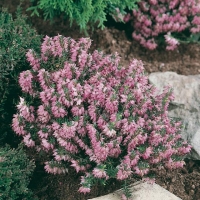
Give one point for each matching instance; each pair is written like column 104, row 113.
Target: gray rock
column 186, row 105
column 142, row 191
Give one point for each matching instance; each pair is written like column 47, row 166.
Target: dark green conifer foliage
column 81, row 11
column 16, row 37
column 15, row 172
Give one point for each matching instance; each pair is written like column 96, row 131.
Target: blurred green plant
column 82, row 11
column 16, row 37
column 15, row 172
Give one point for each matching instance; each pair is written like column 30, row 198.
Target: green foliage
column 15, row 170
column 82, row 11
column 16, row 37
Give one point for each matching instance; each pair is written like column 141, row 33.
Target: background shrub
column 156, row 21
column 87, row 111
column 82, row 11
column 16, row 36
column 15, row 172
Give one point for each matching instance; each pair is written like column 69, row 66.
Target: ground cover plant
column 15, row 172
column 156, row 21
column 85, row 110
column 82, row 11
column 16, row 36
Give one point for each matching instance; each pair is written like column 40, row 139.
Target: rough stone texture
column 142, row 191
column 186, row 105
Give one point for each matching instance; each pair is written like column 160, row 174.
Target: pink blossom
column 154, row 18
column 147, row 153
column 46, row 144
column 25, row 81
column 41, row 77
column 67, row 132
column 55, row 126
column 108, row 132
column 153, row 2
column 84, row 190
column 149, row 180
column 184, row 150
column 77, row 167
column 54, row 169
column 16, row 126
column 34, row 62
column 123, row 197
column 170, row 164
column 115, row 152
column 134, row 161
column 42, row 134
column 90, row 112
column 67, row 145
column 28, row 141
column 43, row 115
column 123, row 174
column 127, row 17
column 60, row 157
column 99, row 173
column 141, row 172
column 171, row 42
column 101, row 152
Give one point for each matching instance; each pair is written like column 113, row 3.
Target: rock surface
column 186, row 105
column 142, row 191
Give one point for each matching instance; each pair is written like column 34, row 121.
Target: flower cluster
column 164, row 19
column 104, row 119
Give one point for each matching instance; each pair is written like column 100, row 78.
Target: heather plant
column 85, row 110
column 16, row 37
column 15, row 172
column 82, row 11
column 172, row 22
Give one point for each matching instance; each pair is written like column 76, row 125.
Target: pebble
column 191, row 193
column 193, row 186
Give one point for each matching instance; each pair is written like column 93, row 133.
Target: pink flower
column 84, row 190
column 25, row 111
column 68, row 132
column 43, row 115
column 99, row 173
column 127, row 17
column 134, row 161
column 141, row 172
column 123, row 197
column 147, row 153
column 67, row 145
column 171, row 42
column 55, row 126
column 25, row 81
column 153, row 2
column 46, row 144
column 77, row 167
column 54, row 170
column 16, row 126
column 42, row 134
column 149, row 180
column 168, row 153
column 123, row 174
column 28, row 141
column 34, row 62
column 184, row 150
column 115, row 152
column 170, row 164
column 109, row 133
column 101, row 152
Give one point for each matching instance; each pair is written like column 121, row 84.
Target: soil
column 116, row 37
